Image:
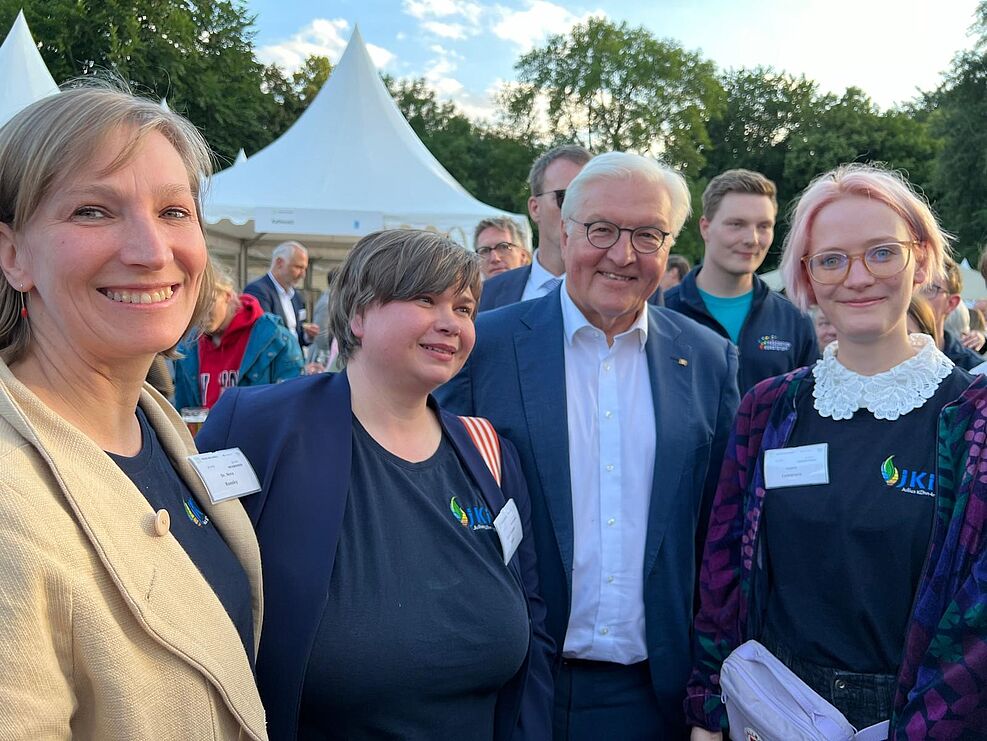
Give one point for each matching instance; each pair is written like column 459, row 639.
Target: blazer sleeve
column 36, row 662
column 535, row 719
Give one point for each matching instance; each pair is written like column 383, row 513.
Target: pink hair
column 870, row 181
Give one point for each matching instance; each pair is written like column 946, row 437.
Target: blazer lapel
column 166, row 592
column 671, row 393
column 541, row 373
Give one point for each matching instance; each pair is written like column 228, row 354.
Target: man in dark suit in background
column 550, row 176
column 620, row 412
column 276, row 290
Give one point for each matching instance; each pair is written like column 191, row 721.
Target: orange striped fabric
column 486, row 441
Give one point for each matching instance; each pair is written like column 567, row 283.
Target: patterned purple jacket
column 942, row 682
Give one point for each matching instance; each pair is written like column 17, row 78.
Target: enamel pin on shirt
column 226, row 474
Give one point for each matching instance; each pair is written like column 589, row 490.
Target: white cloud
column 539, row 19
column 455, row 31
column 322, row 36
column 422, row 9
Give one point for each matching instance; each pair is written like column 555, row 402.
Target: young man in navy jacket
column 737, row 225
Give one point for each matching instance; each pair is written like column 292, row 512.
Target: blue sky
column 466, row 49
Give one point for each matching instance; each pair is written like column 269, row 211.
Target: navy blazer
column 508, row 287
column 264, row 291
column 516, row 378
column 297, row 435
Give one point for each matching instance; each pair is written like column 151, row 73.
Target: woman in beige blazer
column 130, row 605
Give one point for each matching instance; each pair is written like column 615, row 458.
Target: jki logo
column 477, row 517
column 910, row 481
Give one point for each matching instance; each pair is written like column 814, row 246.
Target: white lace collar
column 839, row 391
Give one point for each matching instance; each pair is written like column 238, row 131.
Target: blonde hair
column 59, row 136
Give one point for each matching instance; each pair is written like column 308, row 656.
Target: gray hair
column 395, row 265
column 285, row 250
column 572, row 152
column 501, row 222
column 624, row 166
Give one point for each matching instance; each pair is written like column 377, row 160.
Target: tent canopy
column 351, row 164
column 25, row 78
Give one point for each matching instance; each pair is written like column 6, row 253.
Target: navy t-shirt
column 424, row 623
column 844, row 559
column 155, row 477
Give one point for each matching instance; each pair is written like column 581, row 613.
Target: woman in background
column 863, row 568
column 241, row 346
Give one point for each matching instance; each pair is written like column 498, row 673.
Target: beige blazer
column 108, row 629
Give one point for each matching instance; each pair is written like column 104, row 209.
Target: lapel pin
column 682, row 361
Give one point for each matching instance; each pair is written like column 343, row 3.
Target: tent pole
column 242, row 263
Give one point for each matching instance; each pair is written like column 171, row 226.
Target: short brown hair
column 504, row 223
column 678, row 263
column 395, row 265
column 736, row 181
column 572, row 152
column 58, row 136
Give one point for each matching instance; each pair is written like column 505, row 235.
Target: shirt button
column 609, row 466
column 610, row 579
column 612, row 521
column 604, row 630
column 840, row 684
column 606, row 367
column 608, row 414
column 162, row 522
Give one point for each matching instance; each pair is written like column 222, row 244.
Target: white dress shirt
column 540, row 281
column 286, row 305
column 611, row 464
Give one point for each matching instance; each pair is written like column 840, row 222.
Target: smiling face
column 112, row 261
column 611, row 286
column 415, row 346
column 498, row 261
column 864, row 310
column 739, row 234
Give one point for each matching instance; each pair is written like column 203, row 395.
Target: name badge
column 226, row 474
column 804, row 465
column 302, row 315
column 508, row 527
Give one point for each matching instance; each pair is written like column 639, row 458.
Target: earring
column 23, row 303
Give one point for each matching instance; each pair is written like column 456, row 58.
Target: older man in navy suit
column 620, row 411
column 276, row 290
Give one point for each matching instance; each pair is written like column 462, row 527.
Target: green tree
column 198, row 54
column 959, row 110
column 610, row 86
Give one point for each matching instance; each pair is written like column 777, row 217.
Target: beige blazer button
column 162, row 522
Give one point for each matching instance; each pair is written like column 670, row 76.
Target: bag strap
column 484, row 437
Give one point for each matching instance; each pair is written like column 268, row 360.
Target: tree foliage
column 610, row 86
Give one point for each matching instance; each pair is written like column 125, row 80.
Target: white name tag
column 800, row 466
column 508, row 526
column 226, row 474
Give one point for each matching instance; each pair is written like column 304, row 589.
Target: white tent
column 351, row 164
column 24, row 78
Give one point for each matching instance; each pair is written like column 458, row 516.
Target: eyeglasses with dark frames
column 559, row 195
column 881, row 260
column 502, row 248
column 603, row 235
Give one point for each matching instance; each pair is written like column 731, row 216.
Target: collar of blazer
column 168, row 596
